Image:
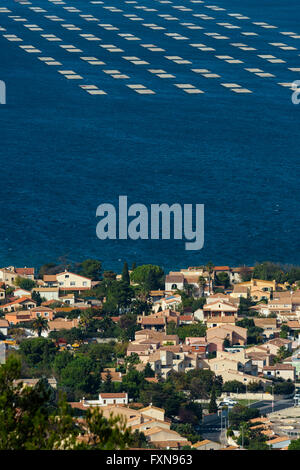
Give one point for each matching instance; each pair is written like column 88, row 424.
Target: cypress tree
column 125, row 274
column 213, row 408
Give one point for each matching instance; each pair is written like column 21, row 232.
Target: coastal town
column 203, row 358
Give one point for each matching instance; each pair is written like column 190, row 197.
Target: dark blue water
column 64, row 151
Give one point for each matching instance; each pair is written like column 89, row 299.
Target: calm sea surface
column 64, row 151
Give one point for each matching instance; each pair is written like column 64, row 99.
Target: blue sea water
column 64, row 151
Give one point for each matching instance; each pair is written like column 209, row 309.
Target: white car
column 230, row 401
column 227, row 404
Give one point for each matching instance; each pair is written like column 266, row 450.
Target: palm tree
column 201, row 283
column 39, row 325
column 210, row 269
column 85, row 319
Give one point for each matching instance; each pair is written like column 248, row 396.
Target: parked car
column 227, row 404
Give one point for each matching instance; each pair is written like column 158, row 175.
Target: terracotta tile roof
column 25, row 271
column 151, row 379
column 174, row 278
column 152, row 321
column 19, row 301
column 293, row 324
column 219, row 319
column 41, row 309
column 165, row 444
column 151, row 407
column 63, row 324
column 279, row 341
column 279, row 367
column 278, row 439
column 49, row 278
column 112, row 395
column 261, row 322
column 203, row 443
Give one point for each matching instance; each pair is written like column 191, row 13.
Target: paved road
column 213, row 429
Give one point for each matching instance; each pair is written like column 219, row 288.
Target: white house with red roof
column 72, row 281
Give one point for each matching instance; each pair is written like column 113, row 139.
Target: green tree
column 91, row 268
column 213, row 407
column 39, row 325
column 49, row 269
column 148, row 371
column 80, row 376
column 148, row 276
column 26, row 420
column 242, row 413
column 234, row 386
column 106, row 434
column 294, row 445
column 284, row 331
column 269, row 271
column 109, row 275
column 133, row 382
column 201, row 284
column 62, row 359
column 223, row 279
column 36, row 297
column 226, row 343
column 125, row 274
column 107, row 385
column 38, row 354
column 24, row 283
column 30, row 420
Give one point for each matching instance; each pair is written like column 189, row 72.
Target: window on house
column 72, row 283
column 84, row 283
column 66, row 276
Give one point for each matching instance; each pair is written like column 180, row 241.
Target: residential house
column 23, row 303
column 207, row 444
column 197, row 344
column 269, row 325
column 21, row 293
column 174, row 281
column 169, row 302
column 190, row 276
column 151, row 322
column 48, row 293
column 115, row 376
column 260, row 359
column 216, row 336
column 240, row 291
column 219, row 308
column 260, row 289
column 4, row 325
column 279, row 442
column 9, row 275
column 275, row 344
column 282, row 371
column 71, row 281
column 107, row 399
column 43, row 312
column 22, row 316
column 61, row 324
column 221, row 321
column 165, row 438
